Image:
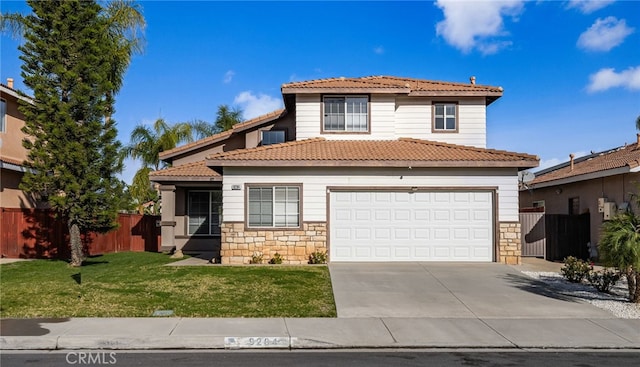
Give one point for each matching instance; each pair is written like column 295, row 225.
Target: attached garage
column 411, row 225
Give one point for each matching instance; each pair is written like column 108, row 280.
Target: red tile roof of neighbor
column 621, row 157
column 10, row 160
column 196, row 171
column 390, row 84
column 403, row 152
column 271, row 116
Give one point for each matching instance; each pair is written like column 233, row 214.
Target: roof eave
column 452, row 93
column 161, row 178
column 523, row 164
column 345, row 90
column 582, row 177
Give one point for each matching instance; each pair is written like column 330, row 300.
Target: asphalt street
column 363, row 358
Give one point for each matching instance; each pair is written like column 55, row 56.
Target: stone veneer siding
column 509, row 245
column 294, row 245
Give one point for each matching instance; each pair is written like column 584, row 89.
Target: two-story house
column 367, row 169
column 12, row 153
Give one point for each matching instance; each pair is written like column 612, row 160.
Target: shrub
column 318, row 257
column 575, row 270
column 256, row 258
column 276, row 259
column 603, row 280
column 620, row 247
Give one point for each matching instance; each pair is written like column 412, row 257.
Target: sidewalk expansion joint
column 390, row 333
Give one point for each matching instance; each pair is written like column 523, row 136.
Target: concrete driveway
column 448, row 290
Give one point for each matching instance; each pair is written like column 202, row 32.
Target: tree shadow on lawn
column 93, row 260
column 538, row 287
column 27, row 327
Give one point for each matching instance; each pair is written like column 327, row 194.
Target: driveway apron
column 448, row 290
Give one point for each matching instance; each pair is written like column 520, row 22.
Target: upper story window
column 346, row 114
column 269, row 137
column 3, row 115
column 445, row 117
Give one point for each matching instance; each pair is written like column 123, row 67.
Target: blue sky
column 570, row 69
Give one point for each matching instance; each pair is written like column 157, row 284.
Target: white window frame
column 445, row 116
column 281, row 209
column 262, row 134
column 211, row 216
column 348, row 118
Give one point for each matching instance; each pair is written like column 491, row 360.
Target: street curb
column 200, row 342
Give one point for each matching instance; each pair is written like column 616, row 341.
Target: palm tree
column 638, row 122
column 620, row 247
column 125, row 29
column 226, row 117
column 146, row 145
column 125, row 25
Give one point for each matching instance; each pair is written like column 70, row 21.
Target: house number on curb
column 231, row 342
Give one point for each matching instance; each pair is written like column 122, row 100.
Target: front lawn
column 137, row 284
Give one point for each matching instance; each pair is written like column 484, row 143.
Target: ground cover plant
column 137, row 284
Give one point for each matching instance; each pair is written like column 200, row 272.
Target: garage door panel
column 402, row 252
column 411, row 226
column 401, row 233
column 421, row 234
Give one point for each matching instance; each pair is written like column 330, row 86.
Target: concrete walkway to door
column 448, row 290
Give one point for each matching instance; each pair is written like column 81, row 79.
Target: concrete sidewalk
column 317, row 333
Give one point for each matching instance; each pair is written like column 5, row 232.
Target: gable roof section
column 196, row 171
column 15, row 93
column 619, row 160
column 239, row 127
column 404, row 152
column 390, row 84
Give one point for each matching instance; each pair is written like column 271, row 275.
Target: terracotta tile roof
column 196, row 171
column 403, row 152
column 621, row 157
column 17, row 162
column 390, row 84
column 223, row 135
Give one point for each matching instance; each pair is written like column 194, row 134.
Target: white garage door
column 416, row 226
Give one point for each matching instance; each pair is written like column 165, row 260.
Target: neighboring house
column 368, row 169
column 12, row 153
column 600, row 184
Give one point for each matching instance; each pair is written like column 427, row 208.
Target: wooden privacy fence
column 555, row 236
column 37, row 233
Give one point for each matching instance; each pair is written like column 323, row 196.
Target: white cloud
column 588, row 6
column 228, row 76
column 379, row 50
column 254, row 106
column 604, row 34
column 608, row 78
column 476, row 24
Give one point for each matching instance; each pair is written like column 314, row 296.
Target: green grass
column 136, row 284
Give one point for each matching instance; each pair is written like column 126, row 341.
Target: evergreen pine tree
column 73, row 152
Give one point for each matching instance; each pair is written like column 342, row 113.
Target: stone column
column 509, row 245
column 168, row 218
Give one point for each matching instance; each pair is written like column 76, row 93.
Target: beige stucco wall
column 12, row 136
column 10, row 194
column 11, row 147
column 616, row 189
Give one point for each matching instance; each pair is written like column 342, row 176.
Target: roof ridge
column 188, row 164
column 265, row 147
column 468, row 147
column 223, row 134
